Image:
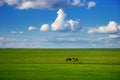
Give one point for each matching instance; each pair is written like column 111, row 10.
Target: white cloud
column 79, row 3
column 113, row 36
column 14, row 32
column 91, row 31
column 75, row 24
column 26, row 5
column 101, row 38
column 47, row 4
column 30, row 28
column 38, row 4
column 44, row 27
column 42, row 4
column 91, row 4
column 11, row 2
column 76, row 2
column 112, row 27
column 21, row 32
column 60, row 24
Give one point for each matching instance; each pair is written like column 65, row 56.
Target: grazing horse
column 68, row 59
column 75, row 59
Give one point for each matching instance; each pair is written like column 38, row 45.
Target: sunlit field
column 50, row 64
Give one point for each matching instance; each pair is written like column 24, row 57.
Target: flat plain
column 50, row 64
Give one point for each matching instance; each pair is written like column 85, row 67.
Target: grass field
column 50, row 64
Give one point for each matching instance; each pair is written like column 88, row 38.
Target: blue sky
column 59, row 24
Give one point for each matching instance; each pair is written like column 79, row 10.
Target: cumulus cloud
column 47, row 4
column 79, row 3
column 91, row 4
column 30, row 28
column 91, row 31
column 43, row 4
column 76, row 2
column 74, row 24
column 61, row 24
column 26, row 5
column 112, row 27
column 38, row 4
column 113, row 36
column 11, row 2
column 44, row 27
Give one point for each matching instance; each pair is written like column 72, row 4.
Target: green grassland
column 50, row 64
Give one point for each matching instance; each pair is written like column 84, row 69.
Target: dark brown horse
column 68, row 59
column 75, row 59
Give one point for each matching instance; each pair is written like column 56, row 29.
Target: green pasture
column 50, row 64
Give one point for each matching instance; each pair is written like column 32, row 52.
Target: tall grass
column 50, row 64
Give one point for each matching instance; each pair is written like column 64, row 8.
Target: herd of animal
column 75, row 59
